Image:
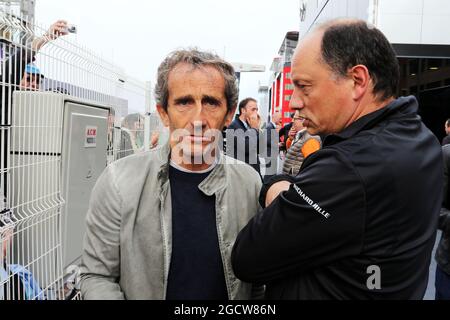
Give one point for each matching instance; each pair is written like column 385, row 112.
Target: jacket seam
column 119, row 197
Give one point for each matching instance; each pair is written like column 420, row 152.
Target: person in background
column 19, row 73
column 16, row 281
column 446, row 139
column 132, row 134
column 275, row 123
column 271, row 155
column 244, row 133
column 300, row 147
column 11, row 288
column 247, row 117
column 442, row 281
column 291, row 135
column 284, row 134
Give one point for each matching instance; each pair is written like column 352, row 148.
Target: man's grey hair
column 197, row 59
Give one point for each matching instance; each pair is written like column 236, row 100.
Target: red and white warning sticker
column 90, row 137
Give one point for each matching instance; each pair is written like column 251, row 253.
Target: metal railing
column 31, row 148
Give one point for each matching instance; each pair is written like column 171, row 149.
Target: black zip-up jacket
column 443, row 250
column 360, row 221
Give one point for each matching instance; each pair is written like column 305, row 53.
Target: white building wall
column 415, row 21
column 402, row 21
column 436, row 22
column 318, row 11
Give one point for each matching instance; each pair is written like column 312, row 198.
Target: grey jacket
column 127, row 247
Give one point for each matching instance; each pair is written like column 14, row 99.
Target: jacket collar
column 241, row 123
column 215, row 182
column 401, row 106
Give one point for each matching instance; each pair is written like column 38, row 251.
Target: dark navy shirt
column 196, row 269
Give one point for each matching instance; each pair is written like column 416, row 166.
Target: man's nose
column 296, row 102
column 199, row 117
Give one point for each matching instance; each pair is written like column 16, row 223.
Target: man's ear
column 230, row 115
column 361, row 81
column 163, row 115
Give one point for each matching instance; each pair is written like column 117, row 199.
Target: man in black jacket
column 360, row 219
column 284, row 134
column 243, row 134
column 271, row 156
column 443, row 251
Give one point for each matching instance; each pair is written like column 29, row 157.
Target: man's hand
column 275, row 191
column 254, row 121
column 57, row 29
column 273, row 186
column 6, row 241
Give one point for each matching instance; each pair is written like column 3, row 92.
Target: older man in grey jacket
column 161, row 225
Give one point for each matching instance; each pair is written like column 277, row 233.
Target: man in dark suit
column 248, row 114
column 275, row 123
column 442, row 281
column 272, row 142
column 243, row 134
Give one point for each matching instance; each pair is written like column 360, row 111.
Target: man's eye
column 183, row 102
column 302, row 87
column 211, row 102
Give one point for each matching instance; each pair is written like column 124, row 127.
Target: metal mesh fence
column 40, row 72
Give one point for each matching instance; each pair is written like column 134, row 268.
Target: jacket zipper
column 219, row 236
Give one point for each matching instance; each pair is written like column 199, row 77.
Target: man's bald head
column 341, row 71
column 350, row 42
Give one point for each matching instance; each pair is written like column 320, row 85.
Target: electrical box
column 83, row 160
column 58, row 149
